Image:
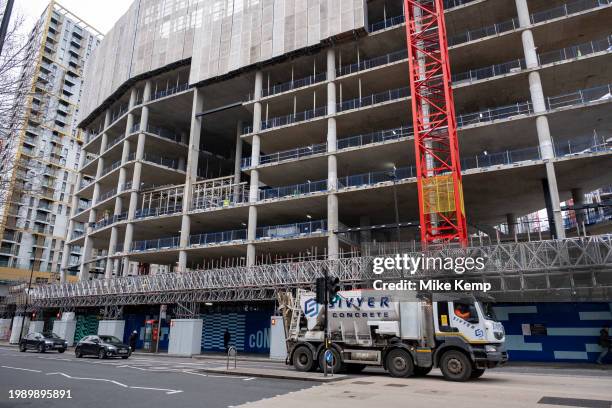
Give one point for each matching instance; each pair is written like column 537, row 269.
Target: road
column 145, row 381
column 136, row 382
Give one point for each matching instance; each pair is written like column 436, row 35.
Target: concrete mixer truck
column 406, row 334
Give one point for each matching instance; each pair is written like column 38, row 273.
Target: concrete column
column 238, row 154
column 191, row 174
column 578, row 199
column 112, row 243
column 254, row 186
column 511, row 221
column 332, row 163
column 70, row 230
column 554, row 205
column 522, row 11
column 538, row 100
column 136, row 176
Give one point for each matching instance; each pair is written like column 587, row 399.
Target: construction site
column 233, row 151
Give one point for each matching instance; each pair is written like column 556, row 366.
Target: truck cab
column 467, row 326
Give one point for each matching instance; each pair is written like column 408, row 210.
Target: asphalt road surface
column 135, row 382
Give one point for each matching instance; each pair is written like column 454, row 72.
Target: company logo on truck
column 311, row 308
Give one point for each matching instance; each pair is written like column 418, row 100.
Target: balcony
column 296, row 230
column 169, row 91
column 293, row 191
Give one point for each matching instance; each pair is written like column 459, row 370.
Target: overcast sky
column 100, row 14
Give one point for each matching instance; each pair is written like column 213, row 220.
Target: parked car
column 42, row 342
column 102, row 346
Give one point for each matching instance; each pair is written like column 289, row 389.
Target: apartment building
column 39, row 166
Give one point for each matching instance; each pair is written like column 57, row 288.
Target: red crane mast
column 442, row 214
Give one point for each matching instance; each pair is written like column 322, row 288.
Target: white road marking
column 166, row 390
column 22, row 369
column 249, row 379
column 159, row 389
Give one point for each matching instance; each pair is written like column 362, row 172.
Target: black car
column 102, row 346
column 42, row 342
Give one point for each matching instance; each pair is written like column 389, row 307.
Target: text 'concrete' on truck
column 396, row 330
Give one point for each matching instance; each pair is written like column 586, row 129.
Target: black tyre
column 41, row 348
column 355, row 368
column 422, row 371
column 124, row 357
column 477, row 372
column 455, row 366
column 399, row 363
column 22, row 348
column 102, row 354
column 78, row 353
column 302, row 359
column 336, row 365
column 61, row 350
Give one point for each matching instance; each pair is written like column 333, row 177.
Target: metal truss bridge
column 561, row 270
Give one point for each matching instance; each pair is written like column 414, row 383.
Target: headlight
column 49, row 343
column 111, row 348
column 490, row 349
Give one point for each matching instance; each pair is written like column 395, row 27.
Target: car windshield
column 110, row 339
column 50, row 335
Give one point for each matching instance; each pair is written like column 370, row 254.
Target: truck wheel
column 399, row 363
column 337, row 366
column 302, row 359
column 422, row 371
column 477, row 372
column 455, row 366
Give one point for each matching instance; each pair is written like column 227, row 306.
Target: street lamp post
column 25, row 310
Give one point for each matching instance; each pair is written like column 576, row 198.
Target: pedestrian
column 133, row 340
column 227, row 337
column 604, row 343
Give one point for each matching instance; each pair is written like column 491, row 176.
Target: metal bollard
column 231, row 352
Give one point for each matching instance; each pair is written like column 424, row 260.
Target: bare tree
column 17, row 66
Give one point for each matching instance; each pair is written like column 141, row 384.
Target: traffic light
column 320, row 292
column 333, row 288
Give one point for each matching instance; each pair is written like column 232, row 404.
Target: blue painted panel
column 249, row 331
column 575, row 330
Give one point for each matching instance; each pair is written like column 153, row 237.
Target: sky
column 100, row 14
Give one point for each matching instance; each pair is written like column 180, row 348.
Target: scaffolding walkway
column 569, row 269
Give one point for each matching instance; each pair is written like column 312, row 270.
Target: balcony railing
column 375, row 177
column 211, row 238
column 374, row 99
column 164, row 133
column 295, row 84
column 169, row 91
column 159, row 211
column 155, row 244
column 576, row 51
column 293, row 118
column 390, row 22
column 109, row 220
column 291, row 230
column 294, row 190
column 239, row 194
column 162, row 161
column 373, row 62
column 103, row 197
column 584, row 96
column 287, row 154
column 567, row 9
column 595, row 144
column 488, row 115
column 494, row 29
